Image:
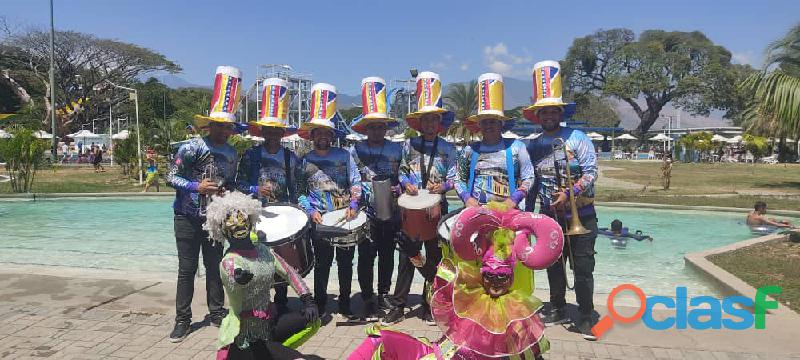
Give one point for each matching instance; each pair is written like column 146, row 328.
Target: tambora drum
column 446, row 223
column 420, row 214
column 340, row 232
column 288, row 231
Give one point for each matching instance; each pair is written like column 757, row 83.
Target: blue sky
column 340, row 42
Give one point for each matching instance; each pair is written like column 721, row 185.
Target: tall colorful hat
column 374, row 105
column 489, row 92
column 274, row 107
column 547, row 90
column 225, row 99
column 323, row 111
column 429, row 101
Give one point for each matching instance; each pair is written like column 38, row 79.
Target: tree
column 774, row 109
column 659, row 67
column 595, row 110
column 461, row 98
column 24, row 155
column 82, row 61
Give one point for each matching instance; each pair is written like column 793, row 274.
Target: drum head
column 446, row 223
column 281, row 221
column 333, row 219
column 423, row 200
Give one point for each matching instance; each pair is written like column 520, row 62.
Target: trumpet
column 575, row 225
column 210, row 172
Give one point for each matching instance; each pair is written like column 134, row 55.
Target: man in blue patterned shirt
column 199, row 170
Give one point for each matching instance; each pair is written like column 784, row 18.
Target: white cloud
column 498, row 59
column 464, row 66
column 747, row 57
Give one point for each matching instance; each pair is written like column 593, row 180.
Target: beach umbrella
column 626, row 137
column 719, row 138
column 595, row 136
column 660, row 137
column 735, row 139
column 41, row 134
column 355, row 137
column 510, row 135
column 122, row 135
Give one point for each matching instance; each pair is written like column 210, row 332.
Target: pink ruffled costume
column 475, row 324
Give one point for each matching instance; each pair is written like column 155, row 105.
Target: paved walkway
column 45, row 316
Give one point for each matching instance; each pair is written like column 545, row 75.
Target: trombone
column 575, row 227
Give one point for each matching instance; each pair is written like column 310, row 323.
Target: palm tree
column 462, row 99
column 775, row 108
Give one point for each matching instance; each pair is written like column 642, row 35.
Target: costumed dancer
column 203, row 166
column 428, row 162
column 270, row 171
column 494, row 169
column 483, row 296
column 572, row 144
column 378, row 159
column 253, row 329
column 330, row 181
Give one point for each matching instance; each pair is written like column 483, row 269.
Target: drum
column 382, row 199
column 341, row 233
column 288, row 231
column 446, row 223
column 420, row 214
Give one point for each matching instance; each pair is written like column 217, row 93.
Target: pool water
column 136, row 235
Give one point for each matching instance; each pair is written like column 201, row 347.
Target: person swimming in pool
column 757, row 217
column 619, row 235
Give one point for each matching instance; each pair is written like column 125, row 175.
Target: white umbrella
column 5, row 135
column 84, row 134
column 660, row 137
column 595, row 136
column 355, row 137
column 41, row 134
column 122, row 135
column 719, row 138
column 625, row 137
column 735, row 139
column 292, row 138
column 510, row 135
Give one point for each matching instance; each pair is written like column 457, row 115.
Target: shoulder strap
column 255, row 165
column 287, row 168
column 512, row 184
column 472, row 167
column 427, row 171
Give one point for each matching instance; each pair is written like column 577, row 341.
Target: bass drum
column 288, row 231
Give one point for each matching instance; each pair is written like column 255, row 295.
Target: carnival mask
column 496, row 285
column 237, row 225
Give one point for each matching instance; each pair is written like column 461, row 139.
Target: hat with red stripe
column 274, row 107
column 225, row 98
column 429, row 101
column 374, row 105
column 322, row 109
column 547, row 89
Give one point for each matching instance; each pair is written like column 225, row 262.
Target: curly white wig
column 221, row 206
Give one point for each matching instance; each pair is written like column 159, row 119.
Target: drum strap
column 426, row 171
column 472, row 166
column 287, row 168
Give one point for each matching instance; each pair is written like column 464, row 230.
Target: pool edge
column 731, row 284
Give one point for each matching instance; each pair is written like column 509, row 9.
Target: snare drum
column 420, row 214
column 288, row 231
column 351, row 232
column 446, row 224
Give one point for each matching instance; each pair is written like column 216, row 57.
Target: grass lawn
column 82, row 179
column 771, row 263
column 736, row 185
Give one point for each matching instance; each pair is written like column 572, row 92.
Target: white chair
column 748, row 157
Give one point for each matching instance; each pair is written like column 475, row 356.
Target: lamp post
column 134, row 95
column 53, row 84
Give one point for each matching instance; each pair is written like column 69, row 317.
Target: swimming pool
column 135, row 235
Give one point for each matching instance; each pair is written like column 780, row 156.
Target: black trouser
column 582, row 247
column 190, row 239
column 323, row 257
column 380, row 243
column 405, row 270
column 281, row 294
